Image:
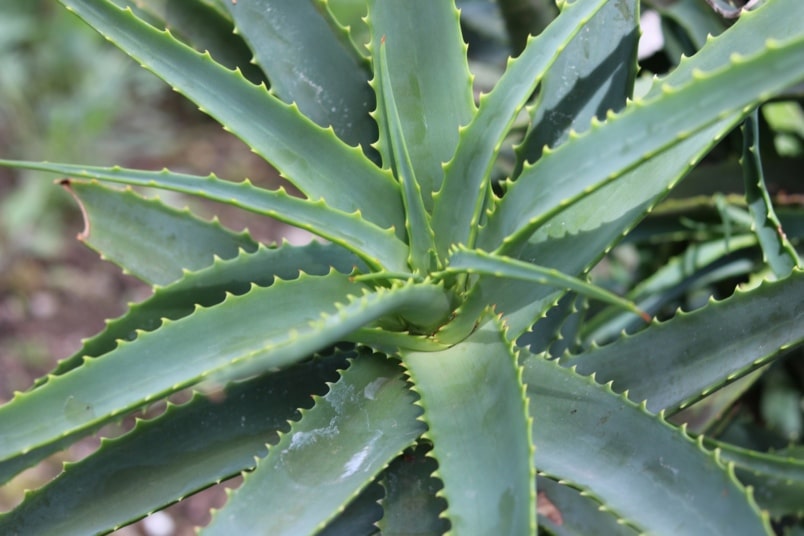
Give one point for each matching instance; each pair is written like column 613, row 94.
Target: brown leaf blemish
column 66, row 183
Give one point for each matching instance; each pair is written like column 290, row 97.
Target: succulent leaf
column 417, row 220
column 460, row 202
column 654, row 476
column 480, row 381
column 480, row 262
column 779, row 253
column 377, row 246
column 691, row 354
column 430, row 80
column 209, row 287
column 593, row 74
column 283, row 329
column 365, row 420
column 576, row 238
column 122, row 227
column 140, row 472
column 694, row 266
column 435, row 422
column 276, row 131
column 564, row 175
column 777, row 478
column 313, row 68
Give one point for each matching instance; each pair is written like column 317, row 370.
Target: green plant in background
column 60, row 94
column 433, row 365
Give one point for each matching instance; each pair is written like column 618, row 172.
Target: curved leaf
column 575, row 238
column 140, row 472
column 677, row 362
column 209, row 287
column 777, row 478
column 205, row 288
column 692, row 267
column 328, row 456
column 261, row 330
column 593, row 74
column 778, row 252
column 417, row 220
column 459, row 204
column 565, row 175
column 376, row 245
column 149, row 240
column 311, row 157
column 430, row 80
column 479, row 262
column 645, row 471
column 307, row 64
column 474, row 404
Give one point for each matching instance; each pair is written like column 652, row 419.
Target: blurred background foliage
column 66, row 95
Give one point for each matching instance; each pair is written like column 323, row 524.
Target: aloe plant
column 431, row 368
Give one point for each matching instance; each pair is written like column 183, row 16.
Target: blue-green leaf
column 277, row 131
column 474, row 404
column 328, row 456
column 307, row 64
column 212, row 439
column 378, row 246
column 779, row 253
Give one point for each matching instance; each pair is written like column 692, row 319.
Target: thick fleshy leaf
column 209, row 287
column 698, row 265
column 205, row 289
column 307, row 64
column 459, row 204
column 677, row 362
column 417, row 220
column 646, row 472
column 474, row 404
column 278, row 132
column 212, row 439
column 245, row 335
column 329, row 455
column 593, row 74
column 574, row 239
column 147, row 239
column 430, row 80
column 479, row 262
column 565, row 175
column 378, row 246
column 779, row 253
column 204, row 26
